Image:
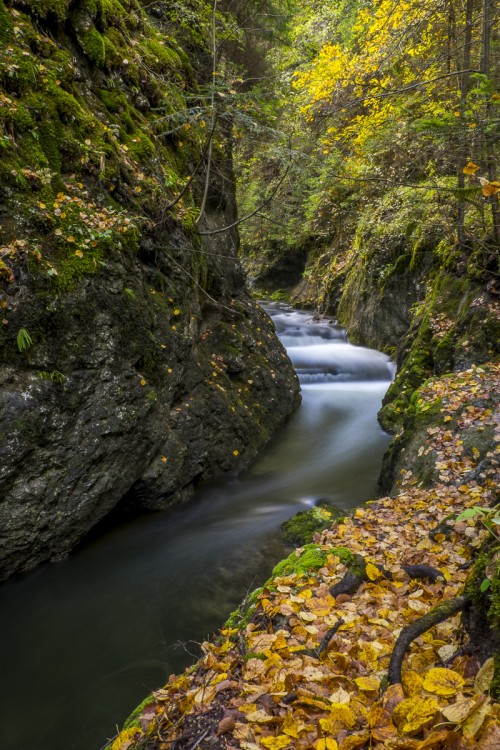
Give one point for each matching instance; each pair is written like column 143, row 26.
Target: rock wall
column 133, row 363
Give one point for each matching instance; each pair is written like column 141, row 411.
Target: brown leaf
column 225, row 725
column 490, row 739
column 433, row 741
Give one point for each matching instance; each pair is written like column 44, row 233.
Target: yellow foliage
column 125, row 738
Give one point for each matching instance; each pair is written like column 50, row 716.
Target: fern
column 23, row 339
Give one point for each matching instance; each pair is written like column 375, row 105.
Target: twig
column 199, row 740
column 325, row 641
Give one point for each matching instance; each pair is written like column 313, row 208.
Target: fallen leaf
column 226, row 725
column 442, row 681
column 484, row 677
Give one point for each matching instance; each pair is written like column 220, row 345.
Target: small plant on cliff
column 489, row 517
column 55, row 376
column 23, row 339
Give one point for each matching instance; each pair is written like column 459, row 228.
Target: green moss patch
column 299, row 529
column 310, row 558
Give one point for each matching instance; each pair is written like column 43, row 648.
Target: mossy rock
column 299, row 529
column 133, row 719
column 45, row 8
column 5, row 24
column 92, row 43
column 311, row 558
column 240, row 617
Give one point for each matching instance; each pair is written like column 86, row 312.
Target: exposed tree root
column 353, row 579
column 356, row 575
column 439, row 614
column 423, row 572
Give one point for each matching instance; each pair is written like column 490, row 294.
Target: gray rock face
column 139, row 382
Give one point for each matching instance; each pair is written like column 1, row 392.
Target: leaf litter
column 271, row 683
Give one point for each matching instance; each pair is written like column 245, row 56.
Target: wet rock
column 128, row 397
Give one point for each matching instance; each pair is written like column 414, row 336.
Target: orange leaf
column 470, row 168
column 490, row 188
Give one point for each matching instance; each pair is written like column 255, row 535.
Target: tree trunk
column 489, row 137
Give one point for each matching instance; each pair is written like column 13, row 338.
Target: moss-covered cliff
column 132, row 361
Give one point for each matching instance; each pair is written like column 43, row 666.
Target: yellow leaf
column 411, row 707
column 372, row 572
column 442, row 681
column 355, row 741
column 412, row 683
column 470, row 168
column 340, row 714
column 70, row 238
column 290, row 726
column 423, row 710
column 79, row 253
column 275, row 743
column 326, row 743
column 367, row 683
column 447, row 418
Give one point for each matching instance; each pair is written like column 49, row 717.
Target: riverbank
column 305, row 663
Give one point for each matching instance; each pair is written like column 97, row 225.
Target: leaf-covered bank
column 133, row 363
column 310, row 660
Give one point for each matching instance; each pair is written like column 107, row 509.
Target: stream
column 84, row 640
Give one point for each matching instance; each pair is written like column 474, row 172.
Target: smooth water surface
column 84, row 640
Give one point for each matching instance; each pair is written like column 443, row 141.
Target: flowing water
column 84, row 640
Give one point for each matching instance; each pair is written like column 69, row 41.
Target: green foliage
column 489, row 517
column 23, row 340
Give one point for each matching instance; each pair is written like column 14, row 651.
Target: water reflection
column 84, row 640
